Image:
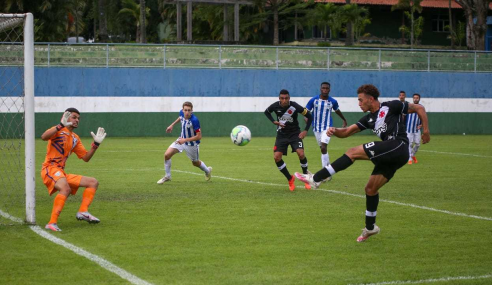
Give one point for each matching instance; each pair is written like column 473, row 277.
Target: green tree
column 412, row 6
column 416, row 30
column 326, row 15
column 131, row 10
column 360, row 25
column 351, row 13
column 476, row 9
column 279, row 10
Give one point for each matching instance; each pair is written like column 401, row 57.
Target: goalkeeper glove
column 99, row 137
column 64, row 121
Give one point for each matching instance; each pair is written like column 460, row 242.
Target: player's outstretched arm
column 170, row 128
column 98, row 139
column 339, row 113
column 343, row 132
column 420, row 110
column 52, row 131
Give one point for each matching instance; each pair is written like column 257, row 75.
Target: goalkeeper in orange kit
column 62, row 142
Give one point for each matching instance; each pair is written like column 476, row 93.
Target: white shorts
column 192, row 151
column 322, row 137
column 414, row 138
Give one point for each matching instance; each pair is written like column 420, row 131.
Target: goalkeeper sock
column 58, row 204
column 167, row 166
column 204, row 167
column 87, row 198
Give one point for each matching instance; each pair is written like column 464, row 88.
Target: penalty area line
column 79, row 251
column 353, row 195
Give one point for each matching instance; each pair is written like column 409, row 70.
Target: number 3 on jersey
column 300, row 144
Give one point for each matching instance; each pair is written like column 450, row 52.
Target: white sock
column 204, row 167
column 325, row 159
column 167, row 166
column 415, row 149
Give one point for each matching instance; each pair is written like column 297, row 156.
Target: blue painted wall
column 238, row 82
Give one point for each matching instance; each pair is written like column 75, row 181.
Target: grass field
column 246, row 227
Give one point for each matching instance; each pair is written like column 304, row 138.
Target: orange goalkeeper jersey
column 60, row 147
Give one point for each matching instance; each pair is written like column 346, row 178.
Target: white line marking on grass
column 457, row 153
column 10, row 217
column 443, row 279
column 92, row 257
column 353, row 195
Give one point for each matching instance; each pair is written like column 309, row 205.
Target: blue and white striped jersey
column 189, row 128
column 321, row 111
column 412, row 120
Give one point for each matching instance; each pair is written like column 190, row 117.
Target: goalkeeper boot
column 164, row 179
column 307, row 178
column 54, row 227
column 86, row 216
column 367, row 233
column 292, row 185
column 208, row 174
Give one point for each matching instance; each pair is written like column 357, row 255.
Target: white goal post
column 17, row 104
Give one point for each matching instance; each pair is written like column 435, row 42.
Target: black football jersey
column 288, row 116
column 387, row 122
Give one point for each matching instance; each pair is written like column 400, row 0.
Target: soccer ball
column 240, row 135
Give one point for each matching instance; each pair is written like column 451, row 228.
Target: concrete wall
column 143, row 102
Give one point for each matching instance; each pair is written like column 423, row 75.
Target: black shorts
column 387, row 156
column 283, row 141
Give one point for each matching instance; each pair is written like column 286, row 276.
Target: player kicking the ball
column 62, row 142
column 388, row 155
column 188, row 141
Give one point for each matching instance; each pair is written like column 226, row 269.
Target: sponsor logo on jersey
column 286, row 119
column 380, row 130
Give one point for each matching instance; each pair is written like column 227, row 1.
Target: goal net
column 17, row 171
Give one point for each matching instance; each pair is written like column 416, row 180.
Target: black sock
column 342, row 163
column 283, row 168
column 321, row 175
column 371, row 210
column 304, row 165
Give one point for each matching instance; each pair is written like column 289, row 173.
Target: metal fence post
column 276, row 61
column 107, row 55
column 379, row 60
column 328, row 59
column 475, row 69
column 428, row 61
column 220, row 57
column 49, row 50
column 164, row 56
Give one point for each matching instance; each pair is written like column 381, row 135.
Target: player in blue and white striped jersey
column 188, row 141
column 320, row 107
column 414, row 125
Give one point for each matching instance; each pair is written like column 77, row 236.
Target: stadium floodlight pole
column 29, row 118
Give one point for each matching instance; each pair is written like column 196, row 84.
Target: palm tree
column 326, row 15
column 413, row 6
column 132, row 10
column 143, row 19
column 352, row 13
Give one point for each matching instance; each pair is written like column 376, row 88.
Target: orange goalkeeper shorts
column 52, row 174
